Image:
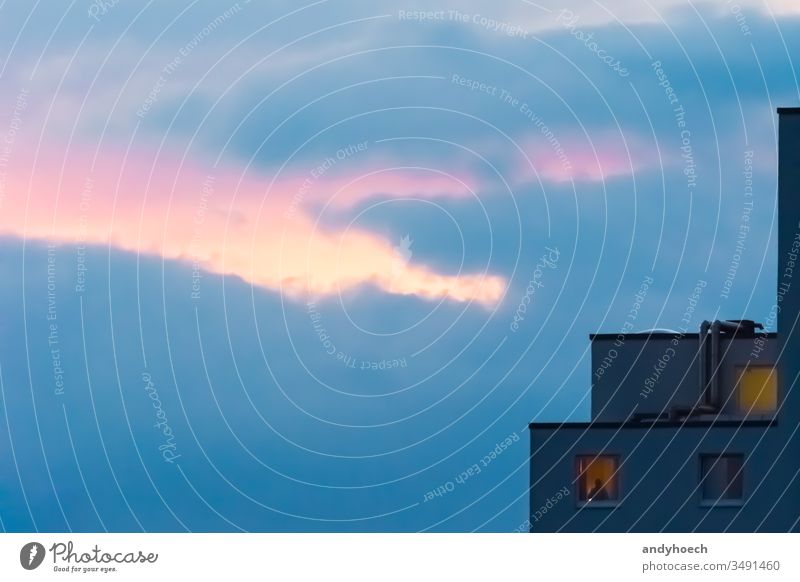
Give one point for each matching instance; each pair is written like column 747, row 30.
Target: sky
column 315, row 267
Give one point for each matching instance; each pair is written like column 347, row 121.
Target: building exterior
column 689, row 432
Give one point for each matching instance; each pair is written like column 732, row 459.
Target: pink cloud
column 266, row 235
column 344, row 184
column 571, row 159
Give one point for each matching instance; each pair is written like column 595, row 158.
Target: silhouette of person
column 598, row 492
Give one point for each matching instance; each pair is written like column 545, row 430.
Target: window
column 598, row 479
column 758, row 389
column 722, row 479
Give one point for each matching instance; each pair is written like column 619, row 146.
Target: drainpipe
column 702, row 356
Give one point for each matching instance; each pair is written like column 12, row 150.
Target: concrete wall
column 650, row 373
column 642, row 373
column 789, row 285
column 659, row 479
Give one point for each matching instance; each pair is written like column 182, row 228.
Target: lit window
column 721, row 478
column 598, row 479
column 758, row 389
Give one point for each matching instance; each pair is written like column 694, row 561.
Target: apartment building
column 688, row 431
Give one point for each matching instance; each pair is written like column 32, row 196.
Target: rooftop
column 669, row 334
column 688, row 423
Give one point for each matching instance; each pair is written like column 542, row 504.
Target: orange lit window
column 598, row 479
column 758, row 389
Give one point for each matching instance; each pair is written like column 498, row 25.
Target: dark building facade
column 689, row 432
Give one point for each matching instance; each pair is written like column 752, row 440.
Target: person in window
column 598, row 492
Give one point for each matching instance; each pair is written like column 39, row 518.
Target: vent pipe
column 702, row 355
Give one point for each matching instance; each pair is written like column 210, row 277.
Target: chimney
column 789, row 227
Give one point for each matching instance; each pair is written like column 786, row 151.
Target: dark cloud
column 274, row 432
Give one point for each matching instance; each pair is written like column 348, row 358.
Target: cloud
column 633, row 12
column 278, row 235
column 226, row 223
column 597, row 159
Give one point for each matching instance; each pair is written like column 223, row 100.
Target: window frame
column 605, row 504
column 704, row 502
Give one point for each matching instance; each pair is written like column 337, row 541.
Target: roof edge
column 666, row 335
column 726, row 423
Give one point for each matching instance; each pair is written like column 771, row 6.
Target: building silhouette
column 689, row 431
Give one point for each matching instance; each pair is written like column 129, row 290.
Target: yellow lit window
column 598, row 478
column 758, row 389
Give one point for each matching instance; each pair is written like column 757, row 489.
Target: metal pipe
column 701, row 348
column 716, row 361
column 713, row 397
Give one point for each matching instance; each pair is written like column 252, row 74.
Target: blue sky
column 237, row 181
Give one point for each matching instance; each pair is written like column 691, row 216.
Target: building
column 689, row 432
